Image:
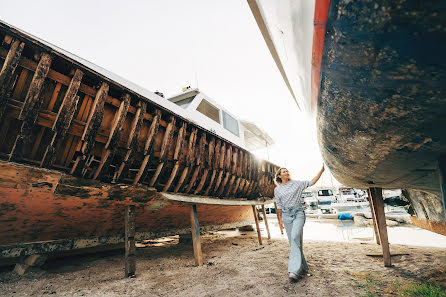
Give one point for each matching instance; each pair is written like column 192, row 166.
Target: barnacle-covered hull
column 373, row 74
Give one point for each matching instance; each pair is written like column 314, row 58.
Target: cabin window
column 184, row 103
column 325, row 193
column 230, row 124
column 209, row 110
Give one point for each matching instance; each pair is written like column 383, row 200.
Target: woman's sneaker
column 292, row 276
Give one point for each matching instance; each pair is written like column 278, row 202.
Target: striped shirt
column 289, row 194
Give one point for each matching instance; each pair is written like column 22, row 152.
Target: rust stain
column 437, row 227
column 83, row 209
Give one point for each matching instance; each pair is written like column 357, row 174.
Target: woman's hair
column 277, row 179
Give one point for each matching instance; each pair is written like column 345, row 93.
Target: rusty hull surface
column 382, row 104
column 63, row 213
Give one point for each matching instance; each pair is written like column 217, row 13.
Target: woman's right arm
column 279, row 216
column 316, row 178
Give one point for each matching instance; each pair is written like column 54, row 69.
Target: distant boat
column 325, row 196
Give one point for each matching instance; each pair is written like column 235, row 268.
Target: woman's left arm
column 316, row 178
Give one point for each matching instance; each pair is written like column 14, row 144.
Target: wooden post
column 278, row 218
column 380, row 217
column 130, row 248
column 254, row 212
column 375, row 227
column 196, row 235
column 266, row 221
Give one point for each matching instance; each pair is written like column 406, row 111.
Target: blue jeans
column 294, row 220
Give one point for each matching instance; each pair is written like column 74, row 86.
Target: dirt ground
column 234, row 266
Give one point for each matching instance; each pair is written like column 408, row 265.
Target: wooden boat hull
column 79, row 143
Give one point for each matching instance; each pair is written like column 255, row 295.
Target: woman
column 291, row 214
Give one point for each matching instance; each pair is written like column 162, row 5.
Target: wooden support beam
column 211, row 153
column 375, row 226
column 132, row 141
column 230, row 186
column 193, row 179
column 118, row 121
column 30, row 108
column 218, row 182
column 223, row 184
column 111, row 145
column 165, row 147
column 266, row 221
column 148, row 146
column 54, row 97
column 236, row 186
column 202, row 181
column 73, row 141
column 130, row 247
column 199, row 160
column 278, row 218
column 181, row 180
column 211, row 182
column 91, row 130
column 172, row 176
column 234, row 161
column 378, row 208
column 190, row 157
column 176, row 155
column 63, row 119
column 180, row 142
column 7, row 73
column 198, row 255
column 228, row 158
column 256, row 218
column 19, row 86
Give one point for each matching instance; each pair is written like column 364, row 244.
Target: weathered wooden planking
column 148, row 146
column 165, row 147
column 7, row 73
column 115, row 134
column 132, row 141
column 190, row 155
column 30, row 108
column 199, row 160
column 176, row 155
column 91, row 130
column 63, row 119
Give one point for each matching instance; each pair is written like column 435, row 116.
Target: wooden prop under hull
column 64, row 212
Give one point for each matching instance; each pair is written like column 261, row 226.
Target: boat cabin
column 325, row 196
column 206, row 112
